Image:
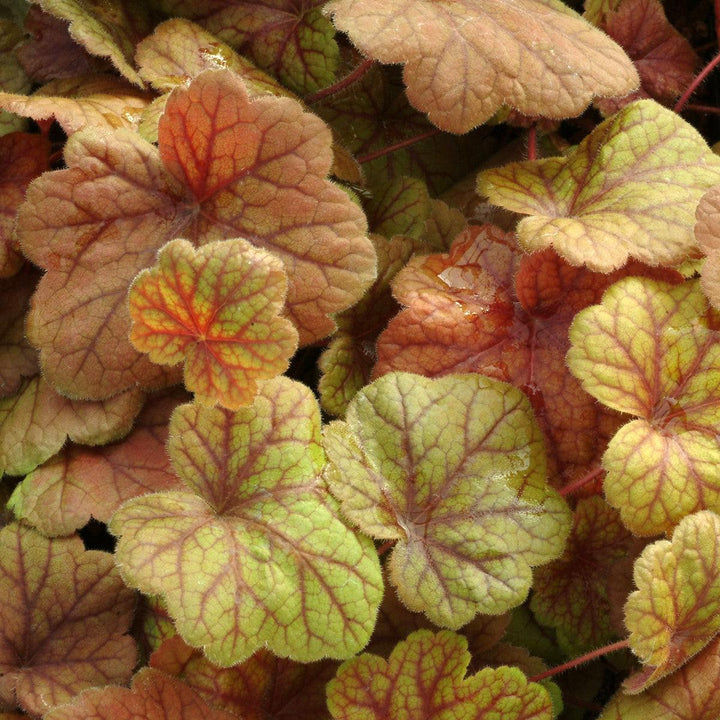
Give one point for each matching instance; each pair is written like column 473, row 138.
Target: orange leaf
column 464, row 59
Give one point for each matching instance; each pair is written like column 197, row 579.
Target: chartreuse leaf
column 424, row 679
column 690, row 693
column 217, row 309
column 227, row 166
column 290, row 40
column 675, row 612
column 465, row 59
column 153, row 696
column 252, row 553
column 63, row 616
column 628, row 190
column 453, row 469
column 650, row 349
column 12, row 75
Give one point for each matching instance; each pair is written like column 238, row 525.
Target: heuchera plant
column 359, row 359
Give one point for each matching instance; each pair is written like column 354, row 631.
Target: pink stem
column 575, row 485
column 607, row 649
column 680, row 104
column 397, row 146
column 340, row 85
column 532, row 142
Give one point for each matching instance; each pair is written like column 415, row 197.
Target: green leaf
column 252, row 552
column 217, row 309
column 651, row 349
column 675, row 612
column 423, row 679
column 62, row 620
column 454, row 470
column 628, row 190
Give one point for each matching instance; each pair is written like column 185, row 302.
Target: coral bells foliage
column 359, row 360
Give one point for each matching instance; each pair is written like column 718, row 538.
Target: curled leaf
column 464, row 60
column 217, row 309
column 625, row 191
column 454, row 470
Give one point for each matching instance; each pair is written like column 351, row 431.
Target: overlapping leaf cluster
column 520, row 376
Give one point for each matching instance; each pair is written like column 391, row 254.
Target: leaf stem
column 575, row 485
column 680, row 104
column 385, row 547
column 397, row 146
column 340, row 85
column 532, row 142
column 703, row 108
column 605, row 650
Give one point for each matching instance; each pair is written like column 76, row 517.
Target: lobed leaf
column 251, row 553
column 78, row 483
column 464, row 60
column 629, row 189
column 36, row 421
column 290, row 40
column 59, row 637
column 253, row 169
column 651, row 349
column 424, row 678
column 674, row 613
column 691, row 693
column 454, row 470
column 109, row 30
column 573, row 593
column 217, row 309
column 264, row 686
column 664, row 59
column 153, row 696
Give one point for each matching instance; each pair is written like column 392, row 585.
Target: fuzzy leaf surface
column 424, row 679
column 464, row 60
column 153, row 696
column 217, row 309
column 675, row 612
column 251, row 169
column 292, row 41
column 629, row 189
column 94, row 100
column 707, row 232
column 691, row 693
column 251, row 553
column 453, row 469
column 651, row 349
column 36, row 421
column 58, row 637
column 61, row 495
column 109, row 30
column 262, row 687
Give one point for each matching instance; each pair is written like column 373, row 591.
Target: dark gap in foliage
column 95, row 536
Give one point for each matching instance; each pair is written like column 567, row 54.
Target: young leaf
column 651, row 350
column 251, row 553
column 464, row 60
column 454, row 470
column 78, row 483
column 109, row 30
column 664, row 59
column 22, row 158
column 290, row 40
column 153, row 696
column 423, row 679
column 571, row 594
column 690, row 693
column 62, row 620
column 675, row 612
column 217, row 309
column 89, row 100
column 36, row 421
column 262, row 687
column 625, row 191
column 253, row 169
